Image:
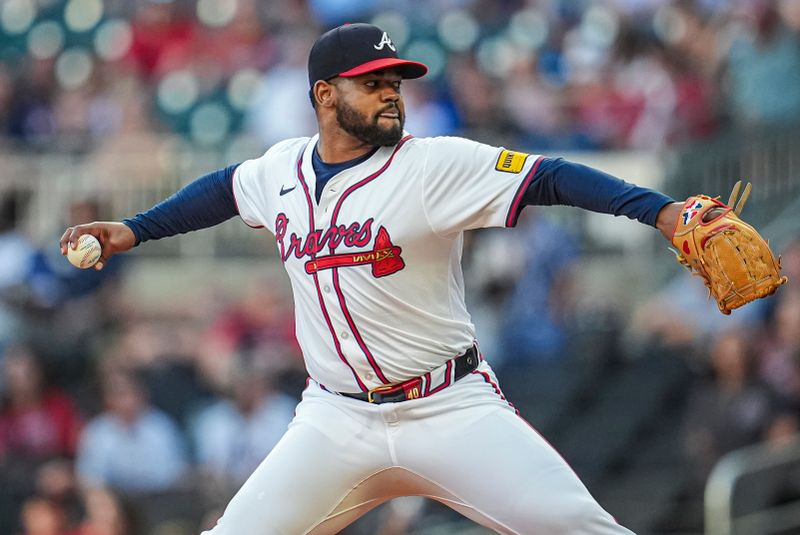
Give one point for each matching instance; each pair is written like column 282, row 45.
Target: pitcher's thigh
column 296, row 487
column 506, row 476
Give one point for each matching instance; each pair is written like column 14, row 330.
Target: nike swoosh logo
column 285, row 190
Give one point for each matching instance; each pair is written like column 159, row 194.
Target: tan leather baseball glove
column 733, row 259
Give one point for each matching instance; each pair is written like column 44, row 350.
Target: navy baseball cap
column 356, row 49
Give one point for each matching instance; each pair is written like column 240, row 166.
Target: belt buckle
column 378, row 390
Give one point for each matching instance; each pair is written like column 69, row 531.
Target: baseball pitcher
column 369, row 223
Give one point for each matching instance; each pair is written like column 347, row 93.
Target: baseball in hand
column 86, row 254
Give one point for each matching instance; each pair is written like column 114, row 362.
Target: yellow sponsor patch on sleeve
column 510, row 161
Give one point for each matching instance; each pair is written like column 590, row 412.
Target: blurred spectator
column 259, row 317
column 790, row 264
column 233, row 435
column 41, row 516
column 544, row 113
column 31, row 118
column 784, row 428
column 136, row 136
column 428, row 114
column 55, row 481
column 131, row 446
column 492, row 262
column 281, row 107
column 764, row 66
column 106, row 515
column 539, row 311
column 731, row 409
column 37, row 421
column 531, row 103
column 285, row 13
column 681, row 316
column 696, row 113
column 162, row 33
column 247, row 43
column 478, row 101
column 18, row 254
column 780, row 351
column 257, row 325
column 644, row 96
column 790, row 12
column 162, row 352
column 693, row 33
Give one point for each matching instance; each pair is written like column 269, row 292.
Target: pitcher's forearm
column 204, row 203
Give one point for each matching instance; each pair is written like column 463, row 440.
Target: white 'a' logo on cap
column 385, row 41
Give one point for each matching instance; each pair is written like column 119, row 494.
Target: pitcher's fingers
column 64, row 242
column 74, row 235
column 79, row 230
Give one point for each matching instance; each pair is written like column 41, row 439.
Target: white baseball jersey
column 379, row 298
column 375, row 266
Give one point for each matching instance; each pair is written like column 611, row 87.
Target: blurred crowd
column 539, row 74
column 104, row 406
column 748, row 367
column 120, row 421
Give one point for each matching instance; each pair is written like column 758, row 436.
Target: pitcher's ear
column 323, row 93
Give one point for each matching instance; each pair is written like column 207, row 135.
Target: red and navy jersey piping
column 359, row 339
column 311, row 226
column 516, row 206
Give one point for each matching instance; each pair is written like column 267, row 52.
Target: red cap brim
column 407, row 69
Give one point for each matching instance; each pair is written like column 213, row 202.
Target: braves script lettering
column 316, row 241
column 384, row 258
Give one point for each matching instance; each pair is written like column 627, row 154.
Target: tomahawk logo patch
column 384, row 258
column 510, row 161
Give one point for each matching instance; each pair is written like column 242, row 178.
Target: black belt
column 412, row 389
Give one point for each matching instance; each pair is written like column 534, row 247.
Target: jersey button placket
column 323, row 214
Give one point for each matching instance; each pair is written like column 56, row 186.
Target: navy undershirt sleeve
column 558, row 181
column 203, row 203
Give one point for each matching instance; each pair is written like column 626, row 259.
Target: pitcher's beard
column 371, row 133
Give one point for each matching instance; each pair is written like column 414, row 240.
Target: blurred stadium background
column 136, row 400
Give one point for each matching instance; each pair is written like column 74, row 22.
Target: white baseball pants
column 463, row 446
